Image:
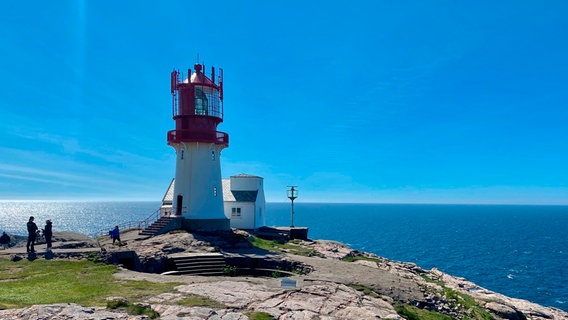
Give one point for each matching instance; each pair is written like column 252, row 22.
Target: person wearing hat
column 48, row 233
column 32, row 228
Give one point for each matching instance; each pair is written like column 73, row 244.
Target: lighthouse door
column 179, row 203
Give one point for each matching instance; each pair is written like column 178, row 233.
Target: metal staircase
column 162, row 225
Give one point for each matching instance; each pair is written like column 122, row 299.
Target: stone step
column 199, row 259
column 202, row 273
column 199, row 264
column 159, row 224
column 155, row 227
column 196, row 269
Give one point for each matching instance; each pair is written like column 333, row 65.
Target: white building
column 243, row 201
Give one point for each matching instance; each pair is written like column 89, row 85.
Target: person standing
column 32, row 228
column 115, row 235
column 5, row 240
column 48, row 233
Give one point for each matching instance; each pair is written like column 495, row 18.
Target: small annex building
column 243, row 201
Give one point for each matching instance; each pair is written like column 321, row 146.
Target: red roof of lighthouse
column 199, row 78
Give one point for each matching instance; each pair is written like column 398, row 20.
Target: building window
column 214, row 191
column 181, row 155
column 235, row 212
column 201, row 102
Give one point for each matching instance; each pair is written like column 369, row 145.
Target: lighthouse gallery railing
column 189, row 136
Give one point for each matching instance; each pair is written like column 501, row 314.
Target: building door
column 179, row 203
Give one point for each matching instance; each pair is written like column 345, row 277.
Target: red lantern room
column 197, row 107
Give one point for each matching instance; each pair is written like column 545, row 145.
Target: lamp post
column 292, row 194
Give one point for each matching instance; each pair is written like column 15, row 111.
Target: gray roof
column 227, row 194
column 245, row 196
column 245, row 175
column 240, row 196
column 169, row 195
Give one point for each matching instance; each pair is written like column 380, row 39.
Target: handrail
column 131, row 224
column 151, row 219
column 217, row 137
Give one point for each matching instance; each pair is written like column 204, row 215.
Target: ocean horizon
column 517, row 250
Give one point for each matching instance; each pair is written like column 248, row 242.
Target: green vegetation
column 366, row 290
column 230, row 271
column 468, row 303
column 292, row 247
column 25, row 283
column 428, row 279
column 200, row 301
column 94, row 257
column 474, row 310
column 276, row 273
column 256, row 315
column 413, row 313
column 133, row 309
column 361, row 257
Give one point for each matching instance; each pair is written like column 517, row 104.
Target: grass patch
column 258, row 315
column 366, row 290
column 200, row 301
column 466, row 301
column 292, row 247
column 26, row 283
column 230, row 271
column 133, row 309
column 413, row 313
column 360, row 257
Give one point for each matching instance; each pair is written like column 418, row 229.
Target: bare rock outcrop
column 368, row 287
column 329, row 249
column 312, row 301
column 65, row 311
column 318, row 300
column 502, row 306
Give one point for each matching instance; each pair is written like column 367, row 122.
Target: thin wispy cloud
column 394, row 95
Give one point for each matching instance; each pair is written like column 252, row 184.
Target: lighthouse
column 197, row 108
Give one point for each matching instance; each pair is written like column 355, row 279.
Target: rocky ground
column 326, row 288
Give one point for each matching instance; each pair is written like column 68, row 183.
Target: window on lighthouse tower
column 201, row 102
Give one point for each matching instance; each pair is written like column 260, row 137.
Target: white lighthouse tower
column 197, row 110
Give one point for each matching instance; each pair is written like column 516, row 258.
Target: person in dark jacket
column 115, row 235
column 5, row 240
column 48, row 233
column 32, row 228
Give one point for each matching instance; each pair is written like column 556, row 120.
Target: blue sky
column 363, row 101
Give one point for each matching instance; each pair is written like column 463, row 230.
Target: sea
column 517, row 250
